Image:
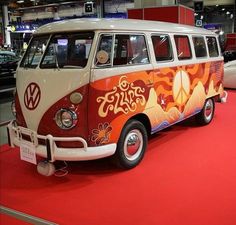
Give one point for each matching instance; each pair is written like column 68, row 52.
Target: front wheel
column 131, row 145
column 207, row 113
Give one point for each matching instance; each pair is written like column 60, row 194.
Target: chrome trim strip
column 24, row 217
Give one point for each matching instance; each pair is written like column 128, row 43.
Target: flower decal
column 102, row 134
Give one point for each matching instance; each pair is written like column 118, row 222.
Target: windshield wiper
column 72, row 66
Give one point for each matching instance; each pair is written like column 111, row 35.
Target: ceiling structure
column 30, row 3
column 208, row 10
column 19, row 4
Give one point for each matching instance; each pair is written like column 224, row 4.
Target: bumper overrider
column 51, row 151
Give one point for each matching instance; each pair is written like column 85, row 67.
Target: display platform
column 188, row 176
column 9, row 220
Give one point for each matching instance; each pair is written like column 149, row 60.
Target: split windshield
column 70, row 50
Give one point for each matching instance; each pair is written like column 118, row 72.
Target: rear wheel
column 131, row 145
column 207, row 113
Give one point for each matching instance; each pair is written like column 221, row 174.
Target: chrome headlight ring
column 66, row 118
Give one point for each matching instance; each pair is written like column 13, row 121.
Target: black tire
column 207, row 113
column 134, row 136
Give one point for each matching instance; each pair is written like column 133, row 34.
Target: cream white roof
column 119, row 24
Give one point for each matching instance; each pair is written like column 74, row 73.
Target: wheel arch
column 203, row 117
column 143, row 118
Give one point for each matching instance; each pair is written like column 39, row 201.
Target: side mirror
column 102, row 57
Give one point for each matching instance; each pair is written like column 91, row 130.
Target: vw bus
column 93, row 88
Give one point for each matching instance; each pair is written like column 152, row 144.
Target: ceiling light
column 227, row 12
column 223, row 9
column 221, row 32
column 20, row 1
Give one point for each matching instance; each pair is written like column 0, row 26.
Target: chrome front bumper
column 51, row 151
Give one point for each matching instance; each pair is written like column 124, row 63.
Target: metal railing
column 4, row 123
column 24, row 217
column 7, row 90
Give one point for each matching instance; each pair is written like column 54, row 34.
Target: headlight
column 65, row 118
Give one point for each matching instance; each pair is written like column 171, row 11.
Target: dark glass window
column 212, row 47
column 128, row 50
column 103, row 56
column 162, row 47
column 199, row 47
column 183, row 47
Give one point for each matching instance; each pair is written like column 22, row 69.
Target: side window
column 130, row 49
column 162, row 47
column 103, row 56
column 199, row 47
column 212, row 47
column 183, row 47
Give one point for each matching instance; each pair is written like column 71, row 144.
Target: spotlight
column 221, row 32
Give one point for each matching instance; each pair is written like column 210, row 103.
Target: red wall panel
column 230, row 42
column 135, row 14
column 190, row 20
column 173, row 14
column 182, row 15
column 166, row 14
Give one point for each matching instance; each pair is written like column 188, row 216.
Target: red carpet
column 188, row 177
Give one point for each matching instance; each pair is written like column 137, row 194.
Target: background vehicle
column 8, row 65
column 229, row 56
column 230, row 74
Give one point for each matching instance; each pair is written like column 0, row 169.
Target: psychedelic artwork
column 101, row 135
column 165, row 96
column 124, row 98
column 176, row 93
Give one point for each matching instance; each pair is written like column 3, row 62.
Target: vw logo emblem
column 32, row 96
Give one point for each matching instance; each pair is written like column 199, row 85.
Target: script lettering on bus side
column 124, row 97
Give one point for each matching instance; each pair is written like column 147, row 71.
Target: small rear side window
column 212, row 47
column 199, row 47
column 183, row 47
column 162, row 47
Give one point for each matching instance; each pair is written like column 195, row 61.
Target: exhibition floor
column 187, row 177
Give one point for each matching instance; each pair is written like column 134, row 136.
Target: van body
column 92, row 88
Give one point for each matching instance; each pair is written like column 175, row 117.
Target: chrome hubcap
column 208, row 109
column 133, row 144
